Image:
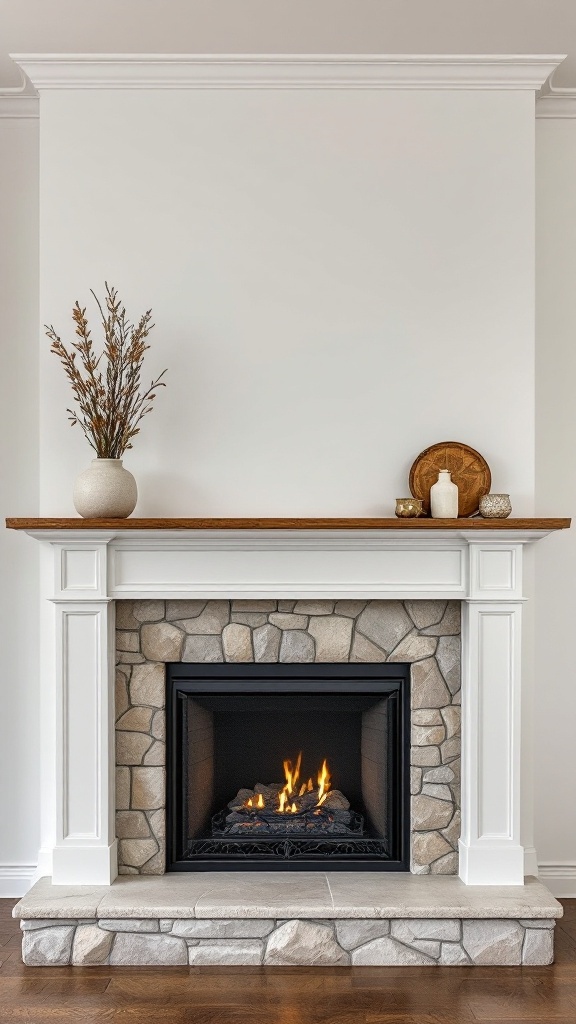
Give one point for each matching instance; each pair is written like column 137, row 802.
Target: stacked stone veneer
column 212, row 942
column 423, row 633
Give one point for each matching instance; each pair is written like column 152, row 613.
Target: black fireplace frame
column 184, row 679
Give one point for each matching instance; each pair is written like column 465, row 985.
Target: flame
column 294, row 809
column 323, row 783
column 302, row 789
column 260, row 801
column 249, row 803
column 282, row 800
column 310, row 786
column 292, row 774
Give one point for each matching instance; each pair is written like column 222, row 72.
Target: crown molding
column 287, row 71
column 557, row 103
column 18, row 106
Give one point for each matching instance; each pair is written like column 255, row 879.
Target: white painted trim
column 15, row 880
column 287, row 71
column 557, row 103
column 16, row 107
column 559, row 878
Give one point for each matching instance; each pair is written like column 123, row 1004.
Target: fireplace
column 288, row 767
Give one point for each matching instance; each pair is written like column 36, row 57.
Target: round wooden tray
column 469, row 470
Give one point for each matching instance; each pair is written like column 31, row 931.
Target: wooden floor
column 282, row 995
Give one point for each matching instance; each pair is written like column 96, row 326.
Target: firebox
column 288, row 767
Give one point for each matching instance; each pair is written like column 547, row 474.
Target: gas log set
column 292, row 807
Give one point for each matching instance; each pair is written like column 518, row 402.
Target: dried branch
column 110, row 402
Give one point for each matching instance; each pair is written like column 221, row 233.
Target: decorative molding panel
column 16, row 106
column 287, row 71
column 15, row 880
column 557, row 103
column 560, row 878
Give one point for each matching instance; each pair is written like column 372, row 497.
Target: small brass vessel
column 408, row 508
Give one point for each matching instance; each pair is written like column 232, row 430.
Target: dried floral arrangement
column 107, row 387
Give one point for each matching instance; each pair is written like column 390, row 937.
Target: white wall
column 555, row 676
column 338, row 278
column 223, row 320
column 19, row 688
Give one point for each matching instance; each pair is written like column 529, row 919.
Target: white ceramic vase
column 105, row 491
column 444, row 497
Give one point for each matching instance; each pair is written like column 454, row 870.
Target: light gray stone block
column 429, row 813
column 91, row 946
column 314, row 607
column 121, row 702
column 130, row 950
column 364, row 650
column 428, row 687
column 239, row 952
column 237, row 642
column 135, row 852
column 206, row 649
column 446, row 865
column 296, row 647
column 131, row 747
column 125, row 924
column 184, row 609
column 428, row 847
column 444, row 774
column 304, row 943
column 537, row 922
column 125, row 618
column 452, row 719
column 452, row 955
column 350, row 608
column 148, row 685
column 47, row 947
column 156, row 755
column 212, row 620
column 132, row 825
column 157, row 821
column 158, row 728
column 386, row 952
column 333, row 636
column 148, row 788
column 538, row 948
column 425, row 757
column 437, row 791
column 288, row 620
column 385, row 623
column 162, row 641
column 221, row 928
column 148, row 611
column 254, row 606
column 415, row 780
column 493, row 943
column 122, row 788
column 166, row 925
column 253, row 619
column 453, row 830
column 47, row 922
column 412, row 928
column 267, row 643
column 127, row 641
column 414, row 648
column 135, row 720
column 428, row 735
column 427, row 716
column 353, row 933
column 449, row 624
column 425, row 613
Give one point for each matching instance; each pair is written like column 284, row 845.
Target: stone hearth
column 423, row 633
column 335, row 920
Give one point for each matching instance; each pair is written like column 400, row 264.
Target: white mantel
column 91, row 568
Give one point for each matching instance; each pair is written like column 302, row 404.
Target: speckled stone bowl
column 495, row 506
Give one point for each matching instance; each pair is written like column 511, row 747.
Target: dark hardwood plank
column 288, row 524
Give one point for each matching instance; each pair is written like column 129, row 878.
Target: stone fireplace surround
column 70, row 919
column 423, row 633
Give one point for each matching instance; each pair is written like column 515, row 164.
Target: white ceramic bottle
column 444, row 497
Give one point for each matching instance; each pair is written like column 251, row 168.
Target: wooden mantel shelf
column 288, row 524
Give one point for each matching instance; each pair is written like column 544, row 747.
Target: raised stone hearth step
column 283, row 918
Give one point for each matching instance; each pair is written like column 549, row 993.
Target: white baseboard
column 15, row 879
column 559, row 878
